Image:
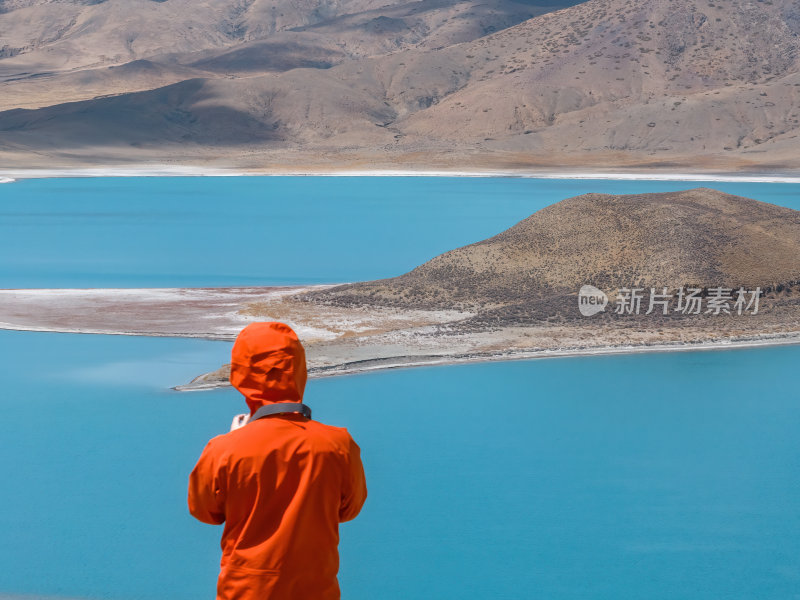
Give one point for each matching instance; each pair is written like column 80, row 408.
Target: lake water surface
column 645, row 477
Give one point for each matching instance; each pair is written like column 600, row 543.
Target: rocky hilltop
column 700, row 237
column 274, row 84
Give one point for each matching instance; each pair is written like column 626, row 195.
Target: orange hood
column 268, row 364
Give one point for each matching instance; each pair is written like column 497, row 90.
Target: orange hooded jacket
column 281, row 484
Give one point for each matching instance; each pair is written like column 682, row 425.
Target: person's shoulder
column 331, row 430
column 340, row 436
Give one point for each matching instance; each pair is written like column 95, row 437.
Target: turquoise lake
column 658, row 476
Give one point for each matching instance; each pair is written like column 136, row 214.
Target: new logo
column 591, row 300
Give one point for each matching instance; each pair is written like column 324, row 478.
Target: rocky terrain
column 532, row 271
column 265, row 85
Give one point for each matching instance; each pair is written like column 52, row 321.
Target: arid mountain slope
column 599, row 82
column 43, row 43
column 652, row 76
column 700, row 237
column 68, row 34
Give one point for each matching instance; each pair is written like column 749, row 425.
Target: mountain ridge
column 652, row 81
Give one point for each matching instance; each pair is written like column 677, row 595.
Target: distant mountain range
column 257, row 83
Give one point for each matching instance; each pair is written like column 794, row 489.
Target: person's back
column 281, row 483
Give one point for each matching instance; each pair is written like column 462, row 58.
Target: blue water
column 215, row 231
column 673, row 476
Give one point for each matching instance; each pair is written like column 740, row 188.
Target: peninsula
column 664, row 271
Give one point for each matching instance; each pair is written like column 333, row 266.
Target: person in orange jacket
column 281, row 483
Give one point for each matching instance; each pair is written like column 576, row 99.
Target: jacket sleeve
column 354, row 491
column 206, row 494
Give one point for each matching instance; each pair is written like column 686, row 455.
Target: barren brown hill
column 44, row 44
column 656, row 77
column 597, row 83
column 699, row 237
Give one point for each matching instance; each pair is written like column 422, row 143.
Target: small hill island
column 533, row 270
column 597, row 273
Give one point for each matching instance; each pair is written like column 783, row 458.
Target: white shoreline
column 766, row 340
column 11, row 175
column 779, row 340
column 223, row 337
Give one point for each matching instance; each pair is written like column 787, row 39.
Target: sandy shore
column 11, row 175
column 210, row 313
column 341, row 340
column 217, row 380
